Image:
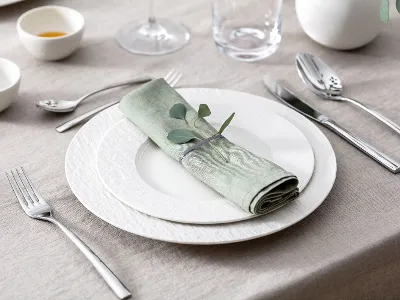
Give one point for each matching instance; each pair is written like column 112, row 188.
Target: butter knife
column 291, row 100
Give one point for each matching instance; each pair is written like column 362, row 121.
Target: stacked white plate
column 125, row 179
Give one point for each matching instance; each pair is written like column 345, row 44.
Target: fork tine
column 31, row 188
column 176, row 79
column 22, row 187
column 168, row 76
column 173, row 75
column 17, row 192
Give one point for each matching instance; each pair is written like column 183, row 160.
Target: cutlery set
column 286, row 96
column 323, row 81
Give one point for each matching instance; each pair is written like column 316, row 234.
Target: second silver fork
column 172, row 78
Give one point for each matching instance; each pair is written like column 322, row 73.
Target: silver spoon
column 64, row 106
column 323, row 81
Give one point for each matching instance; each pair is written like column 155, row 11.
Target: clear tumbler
column 247, row 30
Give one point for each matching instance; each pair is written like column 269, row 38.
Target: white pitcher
column 340, row 24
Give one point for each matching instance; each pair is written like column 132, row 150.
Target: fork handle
column 376, row 114
column 113, row 282
column 137, row 80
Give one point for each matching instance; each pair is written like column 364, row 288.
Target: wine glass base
column 164, row 36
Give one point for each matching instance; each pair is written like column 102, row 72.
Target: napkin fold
column 255, row 184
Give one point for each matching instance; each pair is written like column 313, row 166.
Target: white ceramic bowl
column 10, row 76
column 340, row 24
column 51, row 18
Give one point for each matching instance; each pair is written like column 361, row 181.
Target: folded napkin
column 255, row 184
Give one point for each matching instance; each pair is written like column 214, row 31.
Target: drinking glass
column 154, row 36
column 247, row 31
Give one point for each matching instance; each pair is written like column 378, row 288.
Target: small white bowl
column 51, row 18
column 10, row 77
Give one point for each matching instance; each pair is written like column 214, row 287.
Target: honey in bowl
column 51, row 34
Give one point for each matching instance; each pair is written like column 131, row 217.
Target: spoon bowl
column 323, row 81
column 319, row 76
column 65, row 106
column 58, row 106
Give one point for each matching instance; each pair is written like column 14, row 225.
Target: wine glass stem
column 153, row 29
column 152, row 17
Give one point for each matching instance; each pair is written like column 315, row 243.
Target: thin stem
column 215, row 149
column 220, row 154
column 194, row 123
column 152, row 16
column 212, row 146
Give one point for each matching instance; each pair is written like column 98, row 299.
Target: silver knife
column 291, row 100
column 86, row 116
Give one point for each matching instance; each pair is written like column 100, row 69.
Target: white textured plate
column 81, row 172
column 8, row 2
column 141, row 175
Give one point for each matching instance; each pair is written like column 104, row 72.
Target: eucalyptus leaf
column 198, row 135
column 181, row 136
column 398, row 5
column 178, row 111
column 226, row 123
column 384, row 11
column 204, row 111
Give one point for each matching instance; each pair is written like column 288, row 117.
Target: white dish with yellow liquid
column 51, row 32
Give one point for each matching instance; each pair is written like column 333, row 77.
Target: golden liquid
column 51, row 34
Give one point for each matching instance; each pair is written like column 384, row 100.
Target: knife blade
column 283, row 94
column 290, row 99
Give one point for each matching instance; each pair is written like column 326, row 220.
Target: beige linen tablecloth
column 348, row 249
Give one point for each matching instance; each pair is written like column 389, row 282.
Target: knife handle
column 375, row 154
column 86, row 116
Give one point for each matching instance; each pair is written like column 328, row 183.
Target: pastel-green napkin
column 255, row 184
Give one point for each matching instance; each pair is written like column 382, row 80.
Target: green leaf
column 204, row 111
column 198, row 135
column 181, row 136
column 226, row 123
column 398, row 5
column 178, row 111
column 384, row 11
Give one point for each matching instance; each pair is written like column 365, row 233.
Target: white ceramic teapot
column 340, row 24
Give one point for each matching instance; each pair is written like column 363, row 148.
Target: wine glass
column 154, row 36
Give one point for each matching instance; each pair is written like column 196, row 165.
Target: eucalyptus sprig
column 183, row 136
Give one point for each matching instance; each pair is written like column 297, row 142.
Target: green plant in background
column 182, row 136
column 384, row 11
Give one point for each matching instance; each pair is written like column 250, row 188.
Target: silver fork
column 172, row 78
column 35, row 207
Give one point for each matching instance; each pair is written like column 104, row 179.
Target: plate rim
column 279, row 106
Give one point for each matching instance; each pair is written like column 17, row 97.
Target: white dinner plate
column 138, row 173
column 82, row 176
